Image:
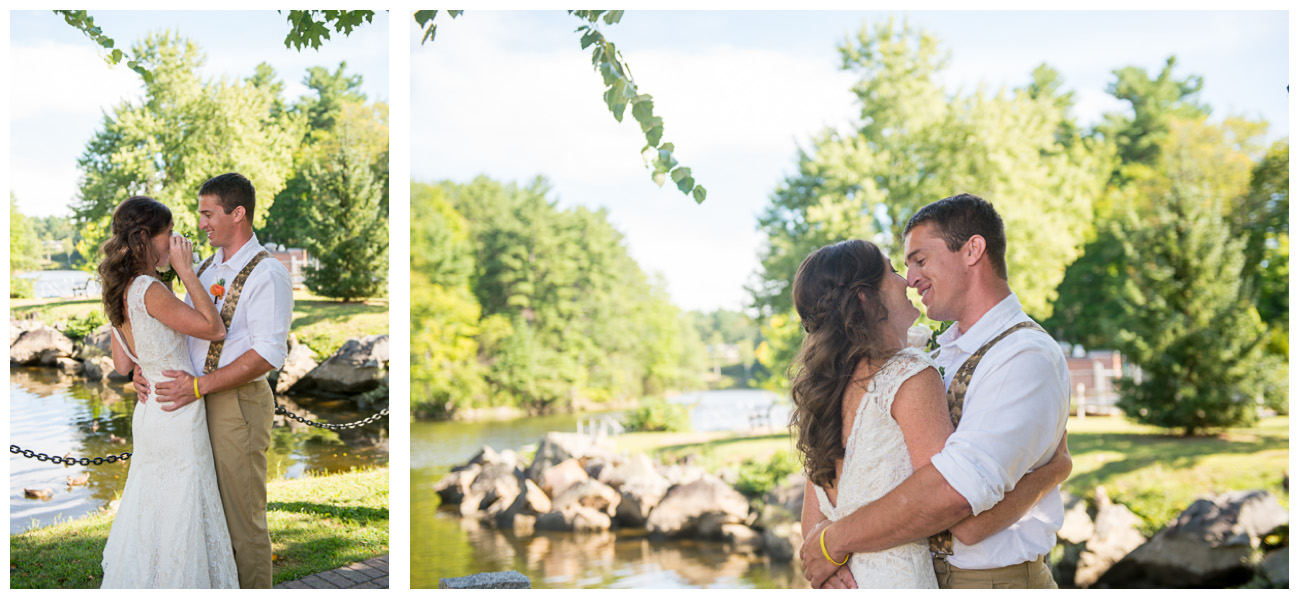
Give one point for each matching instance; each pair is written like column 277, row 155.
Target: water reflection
column 59, row 414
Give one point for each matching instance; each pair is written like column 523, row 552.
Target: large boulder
column 1078, row 525
column 1276, row 567
column 41, row 345
column 454, row 486
column 17, row 327
column 558, row 447
column 574, row 518
column 589, row 493
column 298, row 364
column 68, row 365
column 559, row 477
column 495, row 482
column 1114, row 535
column 97, row 368
column 781, row 544
column 640, row 487
column 1209, row 545
column 789, row 493
column 699, row 508
column 96, row 343
column 529, row 502
column 359, row 366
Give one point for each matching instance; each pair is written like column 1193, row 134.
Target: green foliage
column 24, row 244
column 782, row 336
column 657, row 414
column 349, row 230
column 310, row 27
column 915, row 144
column 21, row 288
column 621, row 93
column 80, row 326
column 425, row 19
column 1139, row 134
column 184, row 131
column 758, row 478
column 82, row 21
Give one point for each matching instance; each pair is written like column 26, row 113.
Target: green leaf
column 655, row 134
column 685, row 185
column 643, row 112
column 659, row 177
column 681, row 173
column 699, row 194
column 117, row 56
column 592, row 36
column 613, row 17
column 424, row 16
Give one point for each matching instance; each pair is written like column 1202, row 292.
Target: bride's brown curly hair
column 837, row 294
column 127, row 252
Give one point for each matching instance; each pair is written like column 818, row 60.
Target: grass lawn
column 317, row 524
column 320, row 323
column 1154, row 474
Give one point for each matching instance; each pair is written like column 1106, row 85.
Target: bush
column 657, row 414
column 21, row 288
column 758, row 478
column 79, row 327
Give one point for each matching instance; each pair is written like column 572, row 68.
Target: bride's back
column 157, row 347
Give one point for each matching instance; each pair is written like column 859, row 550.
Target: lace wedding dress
column 170, row 530
column 875, row 462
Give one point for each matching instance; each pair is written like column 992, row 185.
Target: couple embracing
column 966, row 446
column 193, row 511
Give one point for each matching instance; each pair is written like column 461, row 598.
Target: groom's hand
column 816, row 569
column 176, row 393
column 842, row 579
column 141, row 385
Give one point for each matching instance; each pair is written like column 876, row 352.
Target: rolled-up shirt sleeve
column 1009, row 430
column 268, row 324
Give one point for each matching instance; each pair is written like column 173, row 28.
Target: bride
column 869, row 410
column 170, row 530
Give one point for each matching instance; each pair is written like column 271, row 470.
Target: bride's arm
column 921, row 410
column 202, row 320
column 121, row 362
column 1016, row 503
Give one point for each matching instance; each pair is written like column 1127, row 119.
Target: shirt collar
column 240, row 258
column 995, row 321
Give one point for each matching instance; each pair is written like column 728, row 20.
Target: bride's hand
column 182, row 253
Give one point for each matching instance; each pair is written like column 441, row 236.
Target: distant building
column 1092, row 380
column 293, row 259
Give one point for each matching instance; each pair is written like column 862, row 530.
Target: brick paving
column 369, row 574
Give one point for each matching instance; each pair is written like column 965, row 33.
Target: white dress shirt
column 1012, row 420
column 262, row 317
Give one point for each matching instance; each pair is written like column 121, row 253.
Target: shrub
column 758, row 478
column 80, row 326
column 658, row 414
column 21, row 288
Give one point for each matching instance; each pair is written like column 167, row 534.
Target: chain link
column 112, row 458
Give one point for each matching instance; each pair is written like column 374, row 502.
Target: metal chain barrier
column 112, row 458
column 61, row 460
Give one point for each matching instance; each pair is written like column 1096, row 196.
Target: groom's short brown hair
column 231, row 190
column 957, row 218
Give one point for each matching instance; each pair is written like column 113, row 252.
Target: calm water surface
column 58, row 414
column 445, row 545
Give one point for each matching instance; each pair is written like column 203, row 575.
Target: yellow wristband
column 828, row 554
column 196, row 388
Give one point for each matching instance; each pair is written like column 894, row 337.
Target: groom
column 1016, row 400
column 255, row 297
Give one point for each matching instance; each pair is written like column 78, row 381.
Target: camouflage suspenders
column 941, row 543
column 228, row 309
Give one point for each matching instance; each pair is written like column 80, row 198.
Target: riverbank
column 317, row 524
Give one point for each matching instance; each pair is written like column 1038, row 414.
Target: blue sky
column 60, row 85
column 511, row 95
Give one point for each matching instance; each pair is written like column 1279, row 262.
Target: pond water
column 57, row 414
column 445, row 545
column 62, row 284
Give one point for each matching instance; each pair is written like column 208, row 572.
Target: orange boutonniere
column 218, row 290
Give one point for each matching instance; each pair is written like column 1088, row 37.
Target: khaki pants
column 1034, row 574
column 239, row 423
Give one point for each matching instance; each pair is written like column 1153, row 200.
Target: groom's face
column 214, row 221
column 937, row 273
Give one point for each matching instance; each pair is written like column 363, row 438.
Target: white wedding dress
column 875, row 462
column 170, row 530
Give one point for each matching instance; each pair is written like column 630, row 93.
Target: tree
column 184, row 132
column 346, row 219
column 1153, row 101
column 915, row 144
column 1185, row 320
column 24, row 245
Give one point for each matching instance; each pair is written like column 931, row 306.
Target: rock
column 17, row 327
column 68, row 365
column 97, row 368
column 298, row 364
column 96, row 343
column 359, row 366
column 574, row 518
column 682, row 474
column 1208, row 545
column 530, row 502
column 559, row 477
column 637, row 466
column 638, row 497
column 503, row 580
column 454, row 486
column 41, row 345
column 781, row 544
column 1078, row 525
column 704, row 504
column 493, row 483
column 789, row 493
column 589, row 493
column 742, row 536
column 558, row 447
column 774, row 515
column 1275, row 567
column 1115, row 534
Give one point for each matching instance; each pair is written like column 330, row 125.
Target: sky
column 511, row 95
column 60, row 85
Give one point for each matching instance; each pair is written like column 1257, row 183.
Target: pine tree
column 349, row 235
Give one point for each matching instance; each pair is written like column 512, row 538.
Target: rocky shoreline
column 577, row 483
column 359, row 367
